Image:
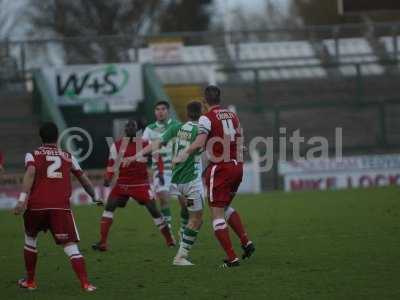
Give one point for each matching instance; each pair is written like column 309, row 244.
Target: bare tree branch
column 88, row 18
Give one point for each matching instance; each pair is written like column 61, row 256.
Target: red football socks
column 30, row 257
column 222, row 234
column 236, row 223
column 105, row 225
column 164, row 229
column 78, row 264
column 166, row 232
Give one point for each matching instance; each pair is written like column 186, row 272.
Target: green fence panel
column 154, row 91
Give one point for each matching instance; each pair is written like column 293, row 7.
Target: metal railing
column 31, row 54
column 365, row 107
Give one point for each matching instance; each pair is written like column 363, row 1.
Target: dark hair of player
column 48, row 133
column 162, row 102
column 194, row 109
column 212, row 94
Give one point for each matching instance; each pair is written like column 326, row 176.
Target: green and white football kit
column 186, row 176
column 151, row 133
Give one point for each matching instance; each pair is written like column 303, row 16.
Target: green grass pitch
column 310, row 245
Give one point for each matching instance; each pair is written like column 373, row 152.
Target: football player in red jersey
column 221, row 134
column 132, row 182
column 45, row 198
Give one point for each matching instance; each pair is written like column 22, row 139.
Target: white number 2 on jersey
column 53, row 169
column 229, row 129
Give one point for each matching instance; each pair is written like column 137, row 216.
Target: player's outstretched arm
column 84, row 180
column 88, row 187
column 113, row 162
column 197, row 144
column 151, row 147
column 29, row 178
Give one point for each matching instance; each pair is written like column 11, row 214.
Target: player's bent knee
column 195, row 223
column 228, row 212
column 164, row 199
column 67, row 244
column 217, row 212
column 152, row 209
column 108, row 214
column 182, row 201
column 31, row 241
column 72, row 250
column 219, row 224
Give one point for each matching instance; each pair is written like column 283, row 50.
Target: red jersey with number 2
column 224, row 126
column 52, row 186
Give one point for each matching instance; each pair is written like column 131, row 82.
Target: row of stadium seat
column 354, row 50
column 189, row 54
column 277, row 54
column 390, row 43
column 245, row 54
column 194, row 63
column 288, row 52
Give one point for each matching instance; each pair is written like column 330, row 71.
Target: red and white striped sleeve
column 29, row 160
column 204, row 125
column 112, row 158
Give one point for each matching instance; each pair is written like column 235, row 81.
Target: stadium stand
column 307, row 92
column 354, row 50
column 188, row 54
column 392, row 44
column 192, row 66
column 334, row 79
column 10, row 75
column 17, row 119
column 19, row 127
column 273, row 54
column 340, row 76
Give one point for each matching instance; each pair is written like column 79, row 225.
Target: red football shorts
column 141, row 193
column 222, row 181
column 60, row 222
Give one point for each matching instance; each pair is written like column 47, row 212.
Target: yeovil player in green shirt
column 162, row 182
column 186, row 176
